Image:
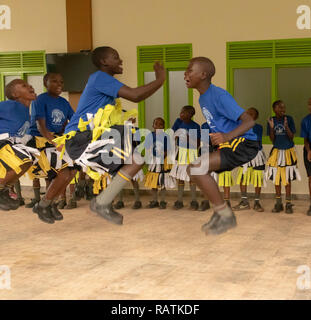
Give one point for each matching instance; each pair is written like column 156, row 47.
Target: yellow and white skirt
column 282, row 166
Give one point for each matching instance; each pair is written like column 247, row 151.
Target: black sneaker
column 204, row 205
column 309, row 211
column 21, row 201
column 219, row 224
column 106, row 212
column 12, row 204
column 258, row 207
column 44, row 214
column 119, row 205
column 32, row 203
column 56, row 213
column 289, row 208
column 243, row 205
column 61, row 204
column 194, row 205
column 178, row 205
column 72, row 204
column 153, row 204
column 4, row 204
column 137, row 205
column 278, row 207
column 162, row 205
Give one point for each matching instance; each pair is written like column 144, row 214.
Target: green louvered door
column 168, row 101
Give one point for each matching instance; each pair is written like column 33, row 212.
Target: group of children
column 54, row 143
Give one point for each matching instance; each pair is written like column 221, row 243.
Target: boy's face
column 158, row 124
column 253, row 114
column 309, row 105
column 185, row 115
column 194, row 75
column 113, row 62
column 280, row 110
column 24, row 91
column 55, row 84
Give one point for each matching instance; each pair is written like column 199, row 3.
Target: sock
column 44, row 203
column 136, row 190
column 181, row 188
column 193, row 191
column 154, row 194
column 223, row 210
column 117, row 184
column 36, row 192
column 278, row 200
column 257, row 197
column 162, row 195
column 18, row 189
column 244, row 197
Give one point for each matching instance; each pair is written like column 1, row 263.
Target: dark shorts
column 307, row 163
column 76, row 146
column 237, row 152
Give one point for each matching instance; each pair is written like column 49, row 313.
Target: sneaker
column 258, row 207
column 288, row 208
column 4, row 204
column 204, row 205
column 56, row 213
column 194, row 205
column 153, row 204
column 309, row 211
column 72, row 204
column 137, row 205
column 178, row 205
column 243, row 205
column 219, row 224
column 106, row 212
column 32, row 203
column 278, row 207
column 44, row 214
column 162, row 205
column 61, row 204
column 21, row 201
column 119, row 205
column 12, row 204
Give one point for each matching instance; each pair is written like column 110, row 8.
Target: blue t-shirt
column 100, row 90
column 205, row 134
column 159, row 142
column 14, row 118
column 306, row 127
column 258, row 130
column 55, row 111
column 192, row 129
column 221, row 111
column 282, row 140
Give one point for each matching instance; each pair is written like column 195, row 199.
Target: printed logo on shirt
column 22, row 131
column 279, row 129
column 208, row 116
column 58, row 116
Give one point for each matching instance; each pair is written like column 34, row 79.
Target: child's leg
column 227, row 195
column 137, row 203
column 309, row 211
column 72, row 201
column 154, row 203
column 278, row 207
column 244, row 204
column 36, row 190
column 18, row 190
column 162, row 199
column 62, row 200
column 193, row 191
column 257, row 205
column 181, row 187
column 288, row 206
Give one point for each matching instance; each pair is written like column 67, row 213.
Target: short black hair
column 9, row 88
column 189, row 109
column 275, row 103
column 48, row 75
column 98, row 54
column 157, row 119
column 257, row 112
column 209, row 65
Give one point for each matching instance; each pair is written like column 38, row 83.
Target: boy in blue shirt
column 87, row 137
column 15, row 157
column 282, row 162
column 306, row 134
column 187, row 151
column 49, row 115
column 231, row 129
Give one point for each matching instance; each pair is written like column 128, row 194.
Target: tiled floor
column 156, row 254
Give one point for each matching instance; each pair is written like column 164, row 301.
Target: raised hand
column 218, row 138
column 309, row 156
column 285, row 122
column 160, row 71
column 271, row 123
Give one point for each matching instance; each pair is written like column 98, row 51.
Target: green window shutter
column 178, row 53
column 149, row 54
column 10, row 61
column 293, row 48
column 250, row 50
column 33, row 60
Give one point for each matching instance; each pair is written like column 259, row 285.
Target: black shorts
column 307, row 163
column 237, row 152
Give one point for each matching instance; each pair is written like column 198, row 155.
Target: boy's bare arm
column 247, row 123
column 41, row 124
column 143, row 92
column 287, row 129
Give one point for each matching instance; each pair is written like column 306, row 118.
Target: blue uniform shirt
column 221, row 111
column 14, row 118
column 306, row 127
column 159, row 142
column 258, row 130
column 100, row 90
column 195, row 131
column 55, row 111
column 281, row 140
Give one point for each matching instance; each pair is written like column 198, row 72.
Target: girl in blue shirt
column 282, row 162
